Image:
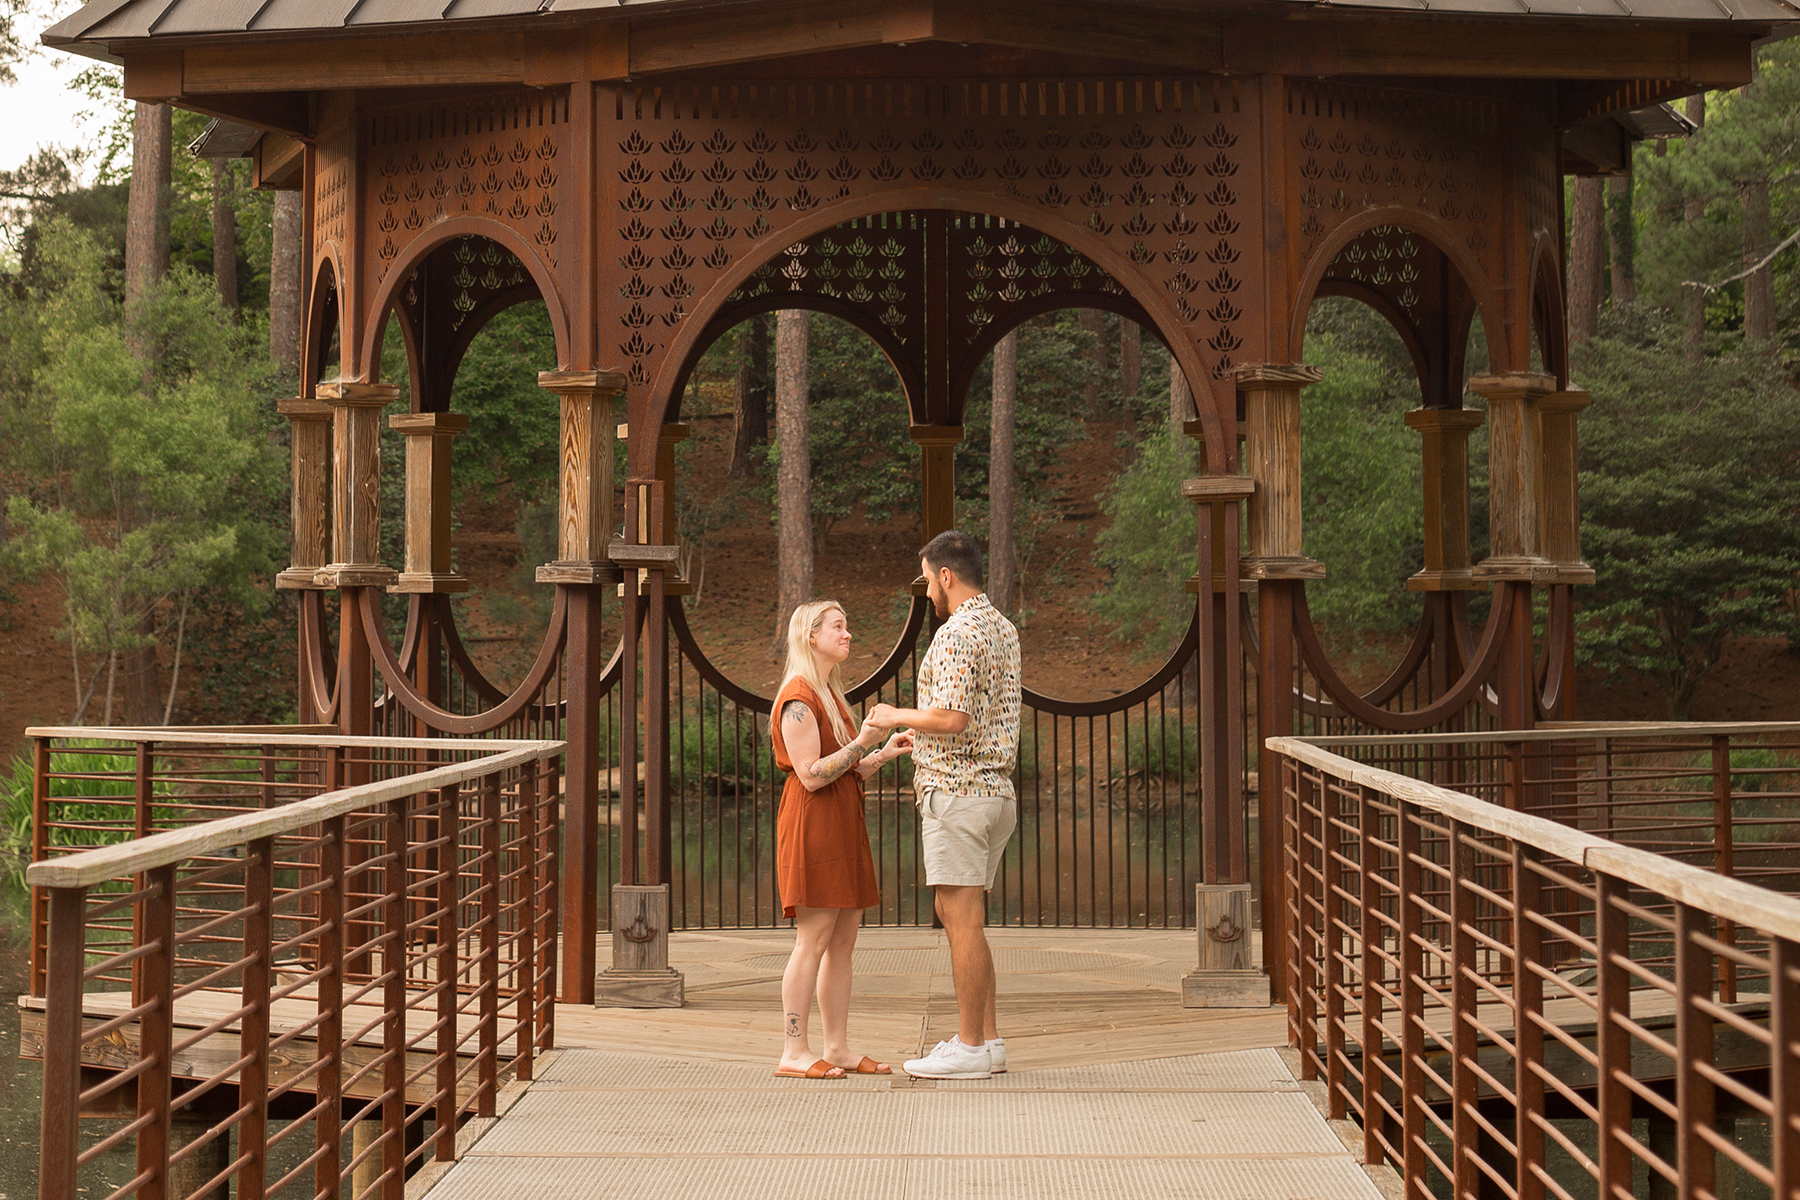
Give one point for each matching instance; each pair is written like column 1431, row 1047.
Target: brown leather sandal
column 819, row 1070
column 869, row 1066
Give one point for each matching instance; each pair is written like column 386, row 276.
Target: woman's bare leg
column 814, row 929
column 834, row 987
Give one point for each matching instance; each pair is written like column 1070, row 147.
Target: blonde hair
column 803, row 663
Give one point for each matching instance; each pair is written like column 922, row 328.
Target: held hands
column 900, row 743
column 882, row 716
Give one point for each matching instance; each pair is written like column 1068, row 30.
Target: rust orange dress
column 822, row 857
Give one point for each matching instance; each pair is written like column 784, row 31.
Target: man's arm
column 943, row 721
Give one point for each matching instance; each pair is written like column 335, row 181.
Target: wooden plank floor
column 1114, row 1090
column 1066, row 997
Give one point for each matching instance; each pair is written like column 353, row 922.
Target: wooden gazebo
column 934, row 173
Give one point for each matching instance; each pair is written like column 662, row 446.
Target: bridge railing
column 1510, row 1006
column 330, row 956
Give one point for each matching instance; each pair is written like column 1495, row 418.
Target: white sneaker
column 996, row 1048
column 952, row 1060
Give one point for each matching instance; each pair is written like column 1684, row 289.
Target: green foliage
column 103, row 779
column 1360, row 472
column 1689, row 489
column 156, row 463
column 1751, row 136
column 514, row 424
column 1149, row 546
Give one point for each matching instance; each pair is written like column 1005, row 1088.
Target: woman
column 822, row 859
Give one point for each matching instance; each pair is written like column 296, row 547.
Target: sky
column 42, row 108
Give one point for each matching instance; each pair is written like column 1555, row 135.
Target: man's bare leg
column 964, row 913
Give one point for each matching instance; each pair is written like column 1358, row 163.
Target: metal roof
column 102, row 21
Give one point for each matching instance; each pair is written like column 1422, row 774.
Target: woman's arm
column 800, row 730
column 900, row 743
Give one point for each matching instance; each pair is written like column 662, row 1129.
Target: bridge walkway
column 1114, row 1089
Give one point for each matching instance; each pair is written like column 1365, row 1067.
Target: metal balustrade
column 1511, row 1006
column 305, row 935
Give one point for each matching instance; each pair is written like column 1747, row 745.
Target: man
column 966, row 742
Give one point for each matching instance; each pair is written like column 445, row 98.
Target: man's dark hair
column 957, row 550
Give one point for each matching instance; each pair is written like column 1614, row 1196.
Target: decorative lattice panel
column 500, row 158
column 705, row 176
column 1355, row 148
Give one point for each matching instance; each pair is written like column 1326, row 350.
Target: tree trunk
column 1585, row 258
column 1002, row 559
column 1131, row 370
column 224, row 223
column 1181, row 400
column 793, row 478
column 1759, row 286
column 1621, row 240
column 1693, row 300
column 1094, row 321
column 752, row 395
column 147, row 211
column 284, row 284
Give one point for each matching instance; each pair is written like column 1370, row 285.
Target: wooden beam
column 153, row 75
column 277, row 162
column 1410, row 46
column 451, row 58
column 287, row 113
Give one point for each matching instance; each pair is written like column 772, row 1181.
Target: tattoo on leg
column 793, row 1028
column 794, row 711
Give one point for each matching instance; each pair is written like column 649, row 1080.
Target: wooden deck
column 1114, row 1089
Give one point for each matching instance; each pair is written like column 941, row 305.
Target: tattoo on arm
column 828, row 769
column 794, row 712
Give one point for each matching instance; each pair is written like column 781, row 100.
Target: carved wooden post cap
column 1572, row 401
column 1515, row 477
column 1445, row 453
column 610, row 383
column 1445, row 420
column 303, row 409
column 1267, row 375
column 426, row 424
column 1523, row 385
column 428, row 437
column 1561, row 500
column 356, row 511
column 310, row 451
column 936, row 435
column 344, row 392
column 1218, row 489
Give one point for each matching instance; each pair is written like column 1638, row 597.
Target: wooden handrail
column 187, row 735
column 1552, row 731
column 1728, row 898
column 90, row 867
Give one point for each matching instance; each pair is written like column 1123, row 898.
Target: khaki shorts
column 964, row 837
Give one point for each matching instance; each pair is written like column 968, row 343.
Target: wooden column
column 937, row 462
column 428, row 438
column 310, row 455
column 647, row 559
column 1223, row 976
column 584, row 527
column 585, row 495
column 356, row 484
column 1515, row 468
column 1272, row 457
column 1446, row 461
column 1559, row 499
